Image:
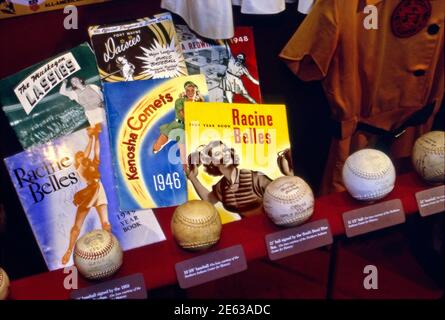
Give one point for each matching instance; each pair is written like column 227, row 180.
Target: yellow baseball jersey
column 377, row 76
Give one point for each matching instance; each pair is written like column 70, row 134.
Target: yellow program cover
column 233, row 152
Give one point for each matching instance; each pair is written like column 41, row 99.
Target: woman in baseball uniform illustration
column 89, row 96
column 239, row 190
column 175, row 129
column 93, row 195
column 126, row 68
column 232, row 83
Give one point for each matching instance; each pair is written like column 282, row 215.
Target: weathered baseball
column 196, row 225
column 4, row 284
column 429, row 156
column 369, row 175
column 97, row 254
column 288, row 201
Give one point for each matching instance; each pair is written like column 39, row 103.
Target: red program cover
column 230, row 67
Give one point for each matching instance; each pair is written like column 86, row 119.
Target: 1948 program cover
column 66, row 190
column 234, row 152
column 143, row 49
column 230, row 66
column 146, row 121
column 53, row 98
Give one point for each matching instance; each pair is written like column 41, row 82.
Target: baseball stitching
column 95, row 255
column 198, row 244
column 103, row 274
column 373, row 195
column 439, row 150
column 434, row 175
column 419, row 163
column 367, row 175
column 191, row 222
column 295, row 197
column 295, row 218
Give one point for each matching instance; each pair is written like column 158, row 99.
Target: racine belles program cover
column 66, row 190
column 233, row 152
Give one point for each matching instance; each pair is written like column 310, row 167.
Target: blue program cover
column 146, row 120
column 66, row 189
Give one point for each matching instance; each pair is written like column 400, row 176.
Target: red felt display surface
column 157, row 262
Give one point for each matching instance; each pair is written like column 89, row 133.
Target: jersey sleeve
column 309, row 51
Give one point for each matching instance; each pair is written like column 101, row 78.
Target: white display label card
column 431, row 201
column 373, row 217
column 211, row 266
column 288, row 242
column 130, row 287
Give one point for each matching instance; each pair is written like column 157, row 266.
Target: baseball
column 369, row 175
column 196, row 225
column 288, row 201
column 4, row 284
column 429, row 157
column 97, row 254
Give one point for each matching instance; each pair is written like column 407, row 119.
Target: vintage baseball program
column 66, row 190
column 233, row 152
column 230, row 66
column 53, row 98
column 146, row 48
column 15, row 8
column 146, row 121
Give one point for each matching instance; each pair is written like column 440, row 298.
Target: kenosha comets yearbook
column 146, row 48
column 66, row 190
column 230, row 66
column 233, row 152
column 53, row 98
column 146, row 121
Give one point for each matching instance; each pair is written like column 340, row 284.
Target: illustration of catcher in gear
column 126, row 68
column 239, row 190
column 175, row 129
column 6, row 6
column 284, row 161
column 231, row 82
column 93, row 195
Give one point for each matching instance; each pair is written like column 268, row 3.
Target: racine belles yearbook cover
column 146, row 121
column 66, row 190
column 233, row 152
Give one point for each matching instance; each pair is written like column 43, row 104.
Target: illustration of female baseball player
column 239, row 190
column 232, row 83
column 175, row 129
column 93, row 195
column 126, row 68
column 89, row 96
